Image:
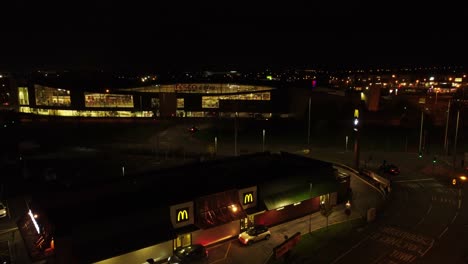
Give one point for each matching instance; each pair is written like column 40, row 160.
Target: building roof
column 136, row 207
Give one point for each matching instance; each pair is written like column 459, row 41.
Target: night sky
column 191, row 36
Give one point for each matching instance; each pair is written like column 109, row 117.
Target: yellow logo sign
column 182, row 215
column 248, row 198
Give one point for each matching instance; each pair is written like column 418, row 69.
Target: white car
column 3, row 210
column 255, row 233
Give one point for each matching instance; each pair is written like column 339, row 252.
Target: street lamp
column 235, row 134
column 308, row 124
column 446, row 129
column 455, row 143
column 310, row 215
column 263, row 142
column 420, row 133
column 216, row 145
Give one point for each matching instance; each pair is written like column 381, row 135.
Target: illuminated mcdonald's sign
column 182, row 214
column 248, row 198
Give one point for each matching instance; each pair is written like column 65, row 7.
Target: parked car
column 390, row 169
column 3, row 210
column 195, row 253
column 253, row 234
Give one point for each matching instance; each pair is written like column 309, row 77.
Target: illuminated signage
column 356, row 113
column 182, row 214
column 34, row 221
column 248, row 198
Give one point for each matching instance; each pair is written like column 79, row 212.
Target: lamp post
column 235, row 134
column 263, row 142
column 455, row 142
column 310, row 215
column 308, row 123
column 216, row 145
column 446, row 129
column 420, row 132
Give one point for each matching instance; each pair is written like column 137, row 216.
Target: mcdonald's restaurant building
column 137, row 218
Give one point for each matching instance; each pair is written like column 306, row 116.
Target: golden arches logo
column 248, row 198
column 182, row 215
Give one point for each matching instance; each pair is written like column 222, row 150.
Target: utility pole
column 235, row 134
column 455, row 143
column 446, row 130
column 421, row 131
column 308, row 124
column 310, row 214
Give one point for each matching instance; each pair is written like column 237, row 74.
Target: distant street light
column 356, row 138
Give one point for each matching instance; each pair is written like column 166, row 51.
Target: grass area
column 326, row 244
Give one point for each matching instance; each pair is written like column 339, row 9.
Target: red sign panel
column 287, row 245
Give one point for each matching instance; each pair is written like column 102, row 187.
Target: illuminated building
column 74, row 97
column 140, row 216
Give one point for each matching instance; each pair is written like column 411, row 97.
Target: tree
column 325, row 207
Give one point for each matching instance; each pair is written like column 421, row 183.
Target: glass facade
column 180, row 103
column 200, row 88
column 84, row 113
column 23, row 96
column 48, row 96
column 57, row 102
column 108, row 100
column 213, row 101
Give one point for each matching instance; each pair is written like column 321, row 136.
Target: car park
column 196, row 253
column 254, row 234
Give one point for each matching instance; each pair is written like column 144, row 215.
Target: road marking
column 347, row 252
column 424, row 217
column 429, row 209
column 8, row 230
column 455, row 216
column 225, row 255
column 443, row 232
column 416, row 180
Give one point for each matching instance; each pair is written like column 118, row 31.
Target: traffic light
column 434, row 160
column 420, row 154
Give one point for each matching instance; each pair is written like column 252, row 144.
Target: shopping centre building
column 148, row 215
column 156, row 100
